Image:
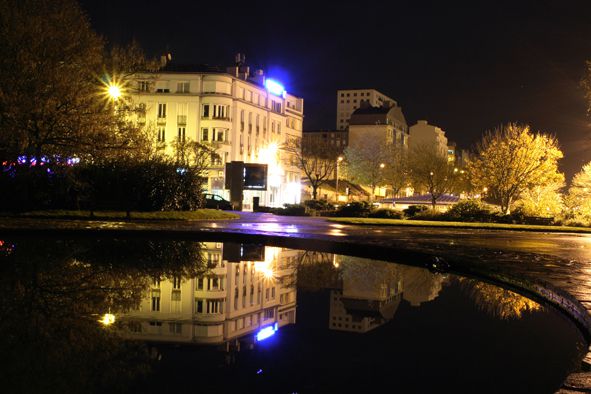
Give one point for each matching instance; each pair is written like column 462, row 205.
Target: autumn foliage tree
column 53, row 72
column 511, row 160
column 578, row 199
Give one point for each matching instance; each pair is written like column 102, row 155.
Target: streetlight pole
column 339, row 159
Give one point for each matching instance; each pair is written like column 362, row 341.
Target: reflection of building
column 233, row 300
column 234, row 111
column 369, row 296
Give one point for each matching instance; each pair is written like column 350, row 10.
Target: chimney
column 164, row 59
column 259, row 77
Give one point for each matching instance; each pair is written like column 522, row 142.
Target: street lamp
column 339, row 159
column 114, row 91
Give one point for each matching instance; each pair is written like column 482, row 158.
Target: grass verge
column 200, row 214
column 488, row 226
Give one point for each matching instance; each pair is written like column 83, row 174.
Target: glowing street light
column 114, row 91
column 107, row 319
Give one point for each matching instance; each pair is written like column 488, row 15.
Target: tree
column 366, row 163
column 542, row 200
column 431, row 171
column 578, row 199
column 512, row 159
column 396, row 170
column 586, row 84
column 316, row 158
column 51, row 70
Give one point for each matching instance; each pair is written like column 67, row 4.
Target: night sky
column 466, row 67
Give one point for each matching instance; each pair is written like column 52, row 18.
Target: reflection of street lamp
column 339, row 159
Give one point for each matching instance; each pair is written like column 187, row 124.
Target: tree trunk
column 314, row 192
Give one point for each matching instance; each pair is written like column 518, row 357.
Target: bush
column 139, row 186
column 414, row 209
column 358, row 209
column 470, row 211
column 386, row 213
column 319, row 205
column 292, row 210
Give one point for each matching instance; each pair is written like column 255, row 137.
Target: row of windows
column 355, row 94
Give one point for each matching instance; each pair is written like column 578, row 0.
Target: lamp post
column 339, row 159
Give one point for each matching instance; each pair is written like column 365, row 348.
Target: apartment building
column 244, row 116
column 349, row 100
column 424, row 133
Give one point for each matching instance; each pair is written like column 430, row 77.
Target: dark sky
column 466, row 67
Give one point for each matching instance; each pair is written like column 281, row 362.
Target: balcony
column 161, row 121
column 181, row 119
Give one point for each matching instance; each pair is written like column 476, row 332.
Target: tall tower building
column 349, row 100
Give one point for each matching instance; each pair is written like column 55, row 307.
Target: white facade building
column 423, row 133
column 233, row 112
column 349, row 100
column 232, row 301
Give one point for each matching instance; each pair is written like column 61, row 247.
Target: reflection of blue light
column 274, row 87
column 181, row 170
column 267, row 332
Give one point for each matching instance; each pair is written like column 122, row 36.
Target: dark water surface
column 187, row 314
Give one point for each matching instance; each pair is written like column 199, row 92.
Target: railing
column 181, row 119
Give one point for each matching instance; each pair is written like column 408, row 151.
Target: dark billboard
column 255, row 176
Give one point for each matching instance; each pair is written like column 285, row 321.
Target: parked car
column 214, row 201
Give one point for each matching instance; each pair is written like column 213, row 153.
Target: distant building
column 337, row 138
column 385, row 124
column 349, row 100
column 423, row 133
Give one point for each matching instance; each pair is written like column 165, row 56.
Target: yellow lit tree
column 511, row 160
column 542, row 200
column 578, row 200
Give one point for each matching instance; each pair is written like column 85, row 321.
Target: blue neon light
column 274, row 87
column 267, row 332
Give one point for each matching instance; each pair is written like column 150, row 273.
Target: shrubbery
column 360, row 209
column 386, row 213
column 291, row 210
column 414, row 209
column 138, row 186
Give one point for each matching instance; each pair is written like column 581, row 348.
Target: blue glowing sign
column 267, row 332
column 274, row 87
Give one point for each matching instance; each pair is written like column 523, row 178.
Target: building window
column 161, row 134
column 162, row 110
column 199, row 306
column 143, row 86
column 204, row 134
column 220, row 111
column 199, row 283
column 272, row 127
column 182, row 87
column 206, row 111
column 269, row 313
column 175, row 328
column 155, row 300
column 276, row 106
column 181, row 134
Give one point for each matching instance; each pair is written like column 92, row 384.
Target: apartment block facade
column 349, row 100
column 232, row 111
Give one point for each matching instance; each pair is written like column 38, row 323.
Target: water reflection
column 90, row 314
column 247, row 288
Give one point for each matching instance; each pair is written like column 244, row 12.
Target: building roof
column 369, row 115
column 423, row 199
